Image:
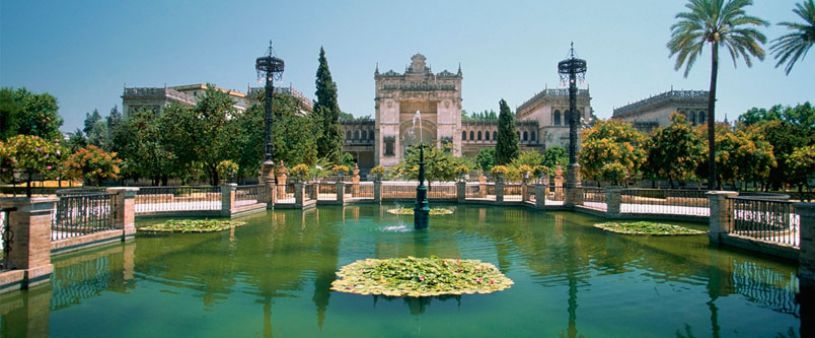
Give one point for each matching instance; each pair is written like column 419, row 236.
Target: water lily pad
column 409, row 211
column 647, row 228
column 192, row 225
column 419, row 277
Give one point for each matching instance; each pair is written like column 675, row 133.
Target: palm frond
column 791, row 47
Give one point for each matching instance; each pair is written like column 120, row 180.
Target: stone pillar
column 282, row 176
column 267, row 179
column 720, row 210
column 499, row 188
column 124, row 210
column 228, row 198
column 355, row 181
column 540, row 195
column 314, row 193
column 482, row 186
column 806, row 255
column 299, row 194
column 524, row 192
column 559, row 189
column 614, row 200
column 378, row 191
column 340, row 190
column 461, row 191
column 30, row 225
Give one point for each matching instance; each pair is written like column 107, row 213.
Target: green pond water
column 271, row 278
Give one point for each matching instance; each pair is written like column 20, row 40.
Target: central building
column 417, row 106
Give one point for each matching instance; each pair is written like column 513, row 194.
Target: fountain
column 421, row 212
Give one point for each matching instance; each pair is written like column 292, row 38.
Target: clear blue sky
column 84, row 52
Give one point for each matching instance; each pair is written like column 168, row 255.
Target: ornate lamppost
column 421, row 212
column 571, row 69
column 270, row 68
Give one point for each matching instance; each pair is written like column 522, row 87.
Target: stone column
column 540, row 195
column 314, row 193
column 267, row 179
column 30, row 225
column 228, row 198
column 720, row 210
column 355, row 181
column 124, row 210
column 282, row 175
column 461, row 191
column 482, row 186
column 299, row 194
column 559, row 184
column 524, row 192
column 499, row 188
column 806, row 255
column 378, row 191
column 340, row 190
column 614, row 200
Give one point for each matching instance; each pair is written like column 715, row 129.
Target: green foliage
column 674, row 152
column 801, row 165
column 227, row 170
column 30, row 155
column 485, row 158
column 793, row 46
column 93, row 164
column 611, row 151
column 647, row 228
column 742, row 155
column 26, row 113
column 499, row 170
column 192, row 226
column 440, row 164
column 327, row 111
column 555, row 156
column 487, row 115
column 149, row 144
column 508, row 145
column 300, row 172
column 419, row 277
column 378, row 171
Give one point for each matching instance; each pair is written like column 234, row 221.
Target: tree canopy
column 508, row 143
column 612, row 151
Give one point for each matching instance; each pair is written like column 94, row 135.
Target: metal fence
column 82, row 214
column 473, row 190
column 363, row 190
column 441, row 191
column 398, row 190
column 170, row 199
column 664, row 201
column 513, row 192
column 594, row 198
column 326, row 191
column 248, row 194
column 6, row 237
column 768, row 220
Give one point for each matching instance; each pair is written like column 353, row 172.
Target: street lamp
column 571, row 69
column 421, row 212
column 270, row 68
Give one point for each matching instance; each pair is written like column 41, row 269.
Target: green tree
column 555, row 156
column 743, row 156
column 75, row 141
column 93, row 164
column 508, row 145
column 719, row 23
column 485, row 159
column 440, row 164
column 90, row 121
column 29, row 155
column 327, row 111
column 674, row 152
column 214, row 132
column 26, row 113
column 140, row 141
column 801, row 166
column 611, row 151
column 793, row 46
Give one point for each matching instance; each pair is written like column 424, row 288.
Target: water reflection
column 290, row 256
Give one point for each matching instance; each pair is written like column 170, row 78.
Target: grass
column 192, row 225
column 647, row 229
column 419, row 277
column 409, row 211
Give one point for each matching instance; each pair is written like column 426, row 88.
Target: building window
column 487, row 136
column 472, row 135
column 532, row 137
column 526, row 136
column 464, row 136
column 364, row 134
column 371, row 134
column 389, row 141
column 347, row 134
column 479, row 135
column 701, row 118
column 557, row 117
column 356, row 134
column 495, row 136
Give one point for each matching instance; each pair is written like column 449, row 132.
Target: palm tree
column 793, row 46
column 718, row 22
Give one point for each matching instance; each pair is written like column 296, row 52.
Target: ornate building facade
column 655, row 111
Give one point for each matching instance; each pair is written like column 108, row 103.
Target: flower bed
column 409, row 211
column 419, row 277
column 192, row 225
column 647, row 229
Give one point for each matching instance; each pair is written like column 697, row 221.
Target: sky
column 86, row 52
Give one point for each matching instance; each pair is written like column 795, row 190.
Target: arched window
column 557, row 117
column 701, row 118
column 487, row 135
column 464, row 136
column 347, row 134
column 371, row 134
column 472, row 135
column 532, row 137
column 479, row 135
column 495, row 136
column 526, row 136
column 364, row 134
column 356, row 134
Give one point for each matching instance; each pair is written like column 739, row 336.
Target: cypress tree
column 327, row 112
column 508, row 146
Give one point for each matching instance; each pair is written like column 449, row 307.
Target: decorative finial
column 270, row 47
column 459, row 69
column 376, row 72
column 571, row 51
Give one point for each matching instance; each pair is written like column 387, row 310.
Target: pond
column 272, row 276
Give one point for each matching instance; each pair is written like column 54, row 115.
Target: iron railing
column 513, row 192
column 473, row 190
column 594, row 198
column 248, row 194
column 441, row 191
column 6, row 237
column 665, row 201
column 773, row 221
column 363, row 190
column 82, row 214
column 326, row 191
column 171, row 199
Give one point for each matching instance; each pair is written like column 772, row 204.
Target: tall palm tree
column 793, row 46
column 717, row 22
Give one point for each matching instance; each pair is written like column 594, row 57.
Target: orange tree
column 742, row 155
column 674, row 152
column 93, row 164
column 29, row 155
column 611, row 151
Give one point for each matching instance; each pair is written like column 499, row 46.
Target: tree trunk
column 711, row 117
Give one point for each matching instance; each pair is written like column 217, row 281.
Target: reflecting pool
column 271, row 277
